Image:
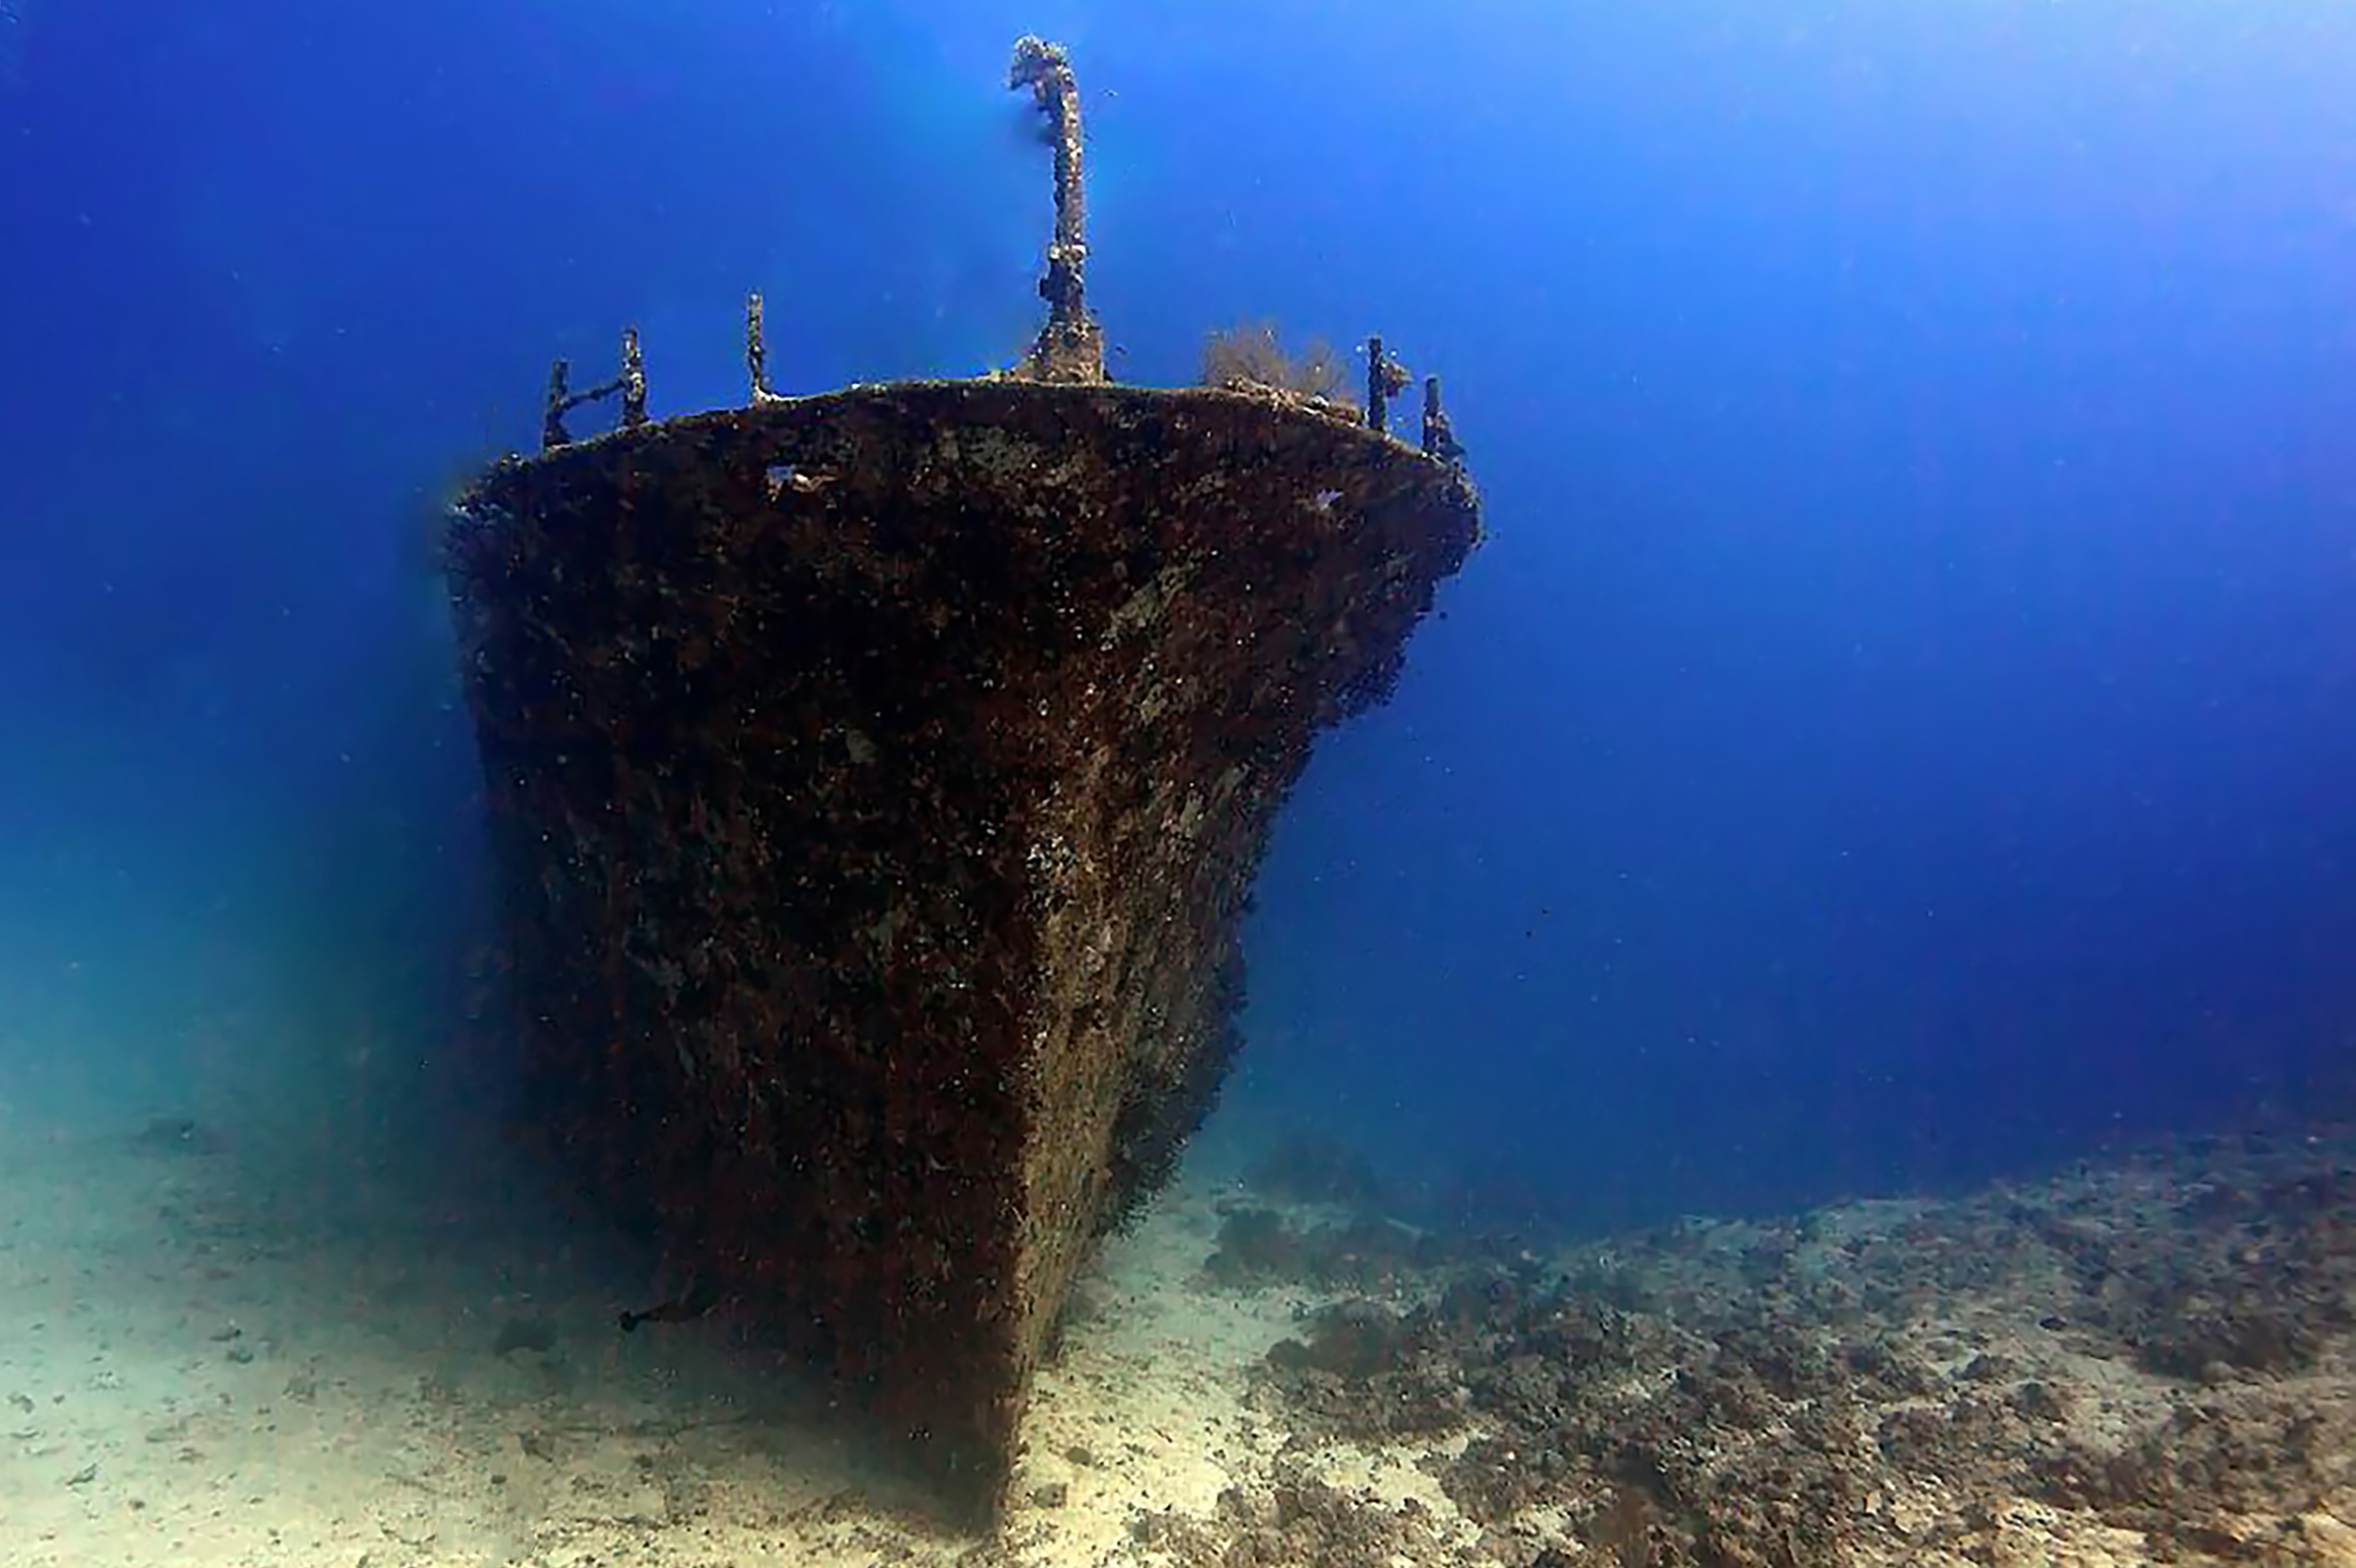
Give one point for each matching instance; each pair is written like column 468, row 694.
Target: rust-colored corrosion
column 877, row 782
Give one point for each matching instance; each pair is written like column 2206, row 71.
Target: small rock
column 1987, row 1367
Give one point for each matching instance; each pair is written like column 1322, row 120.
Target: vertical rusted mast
column 1071, row 345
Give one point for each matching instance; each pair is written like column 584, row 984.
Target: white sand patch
column 206, row 1364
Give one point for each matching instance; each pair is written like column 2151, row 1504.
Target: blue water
column 1897, row 731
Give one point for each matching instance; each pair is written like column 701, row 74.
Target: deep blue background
column 1900, row 729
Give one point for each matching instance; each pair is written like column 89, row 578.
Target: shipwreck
column 876, row 782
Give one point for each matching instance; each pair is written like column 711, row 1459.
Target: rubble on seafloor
column 2143, row 1361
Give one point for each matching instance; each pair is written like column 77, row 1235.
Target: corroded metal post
column 1439, row 436
column 1071, row 345
column 756, row 351
column 632, row 383
column 560, row 398
column 1385, row 379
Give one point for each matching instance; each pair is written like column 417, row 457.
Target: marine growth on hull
column 878, row 779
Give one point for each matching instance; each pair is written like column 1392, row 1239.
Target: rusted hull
column 878, row 780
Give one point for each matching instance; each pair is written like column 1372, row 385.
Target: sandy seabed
column 207, row 1360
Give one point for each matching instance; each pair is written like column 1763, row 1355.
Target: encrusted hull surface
column 877, row 782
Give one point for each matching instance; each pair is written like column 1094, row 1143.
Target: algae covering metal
column 877, row 780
